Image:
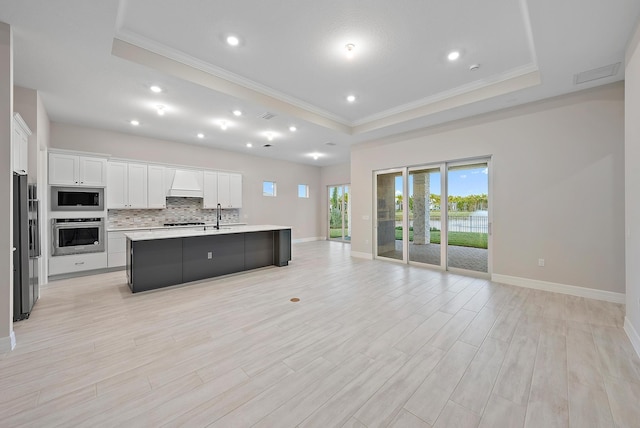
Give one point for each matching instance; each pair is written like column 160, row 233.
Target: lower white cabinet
column 116, row 249
column 77, row 263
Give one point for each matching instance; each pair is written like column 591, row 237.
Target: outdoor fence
column 478, row 224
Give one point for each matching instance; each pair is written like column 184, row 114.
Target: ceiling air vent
column 267, row 145
column 596, row 73
column 266, row 115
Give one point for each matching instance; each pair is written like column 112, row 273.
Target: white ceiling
column 94, row 60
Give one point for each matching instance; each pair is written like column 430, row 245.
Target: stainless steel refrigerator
column 26, row 255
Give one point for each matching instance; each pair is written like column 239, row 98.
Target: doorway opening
column 339, row 213
column 437, row 215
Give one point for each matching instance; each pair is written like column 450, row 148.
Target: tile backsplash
column 178, row 210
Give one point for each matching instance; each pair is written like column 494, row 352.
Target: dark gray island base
column 164, row 260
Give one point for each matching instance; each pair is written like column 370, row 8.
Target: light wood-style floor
column 369, row 344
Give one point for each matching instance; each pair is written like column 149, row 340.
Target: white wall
column 285, row 209
column 632, row 185
column 557, row 188
column 6, row 189
column 330, row 176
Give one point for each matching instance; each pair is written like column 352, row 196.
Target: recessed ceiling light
column 201, row 135
column 453, row 55
column 233, row 40
column 135, row 122
column 350, row 47
column 156, row 89
column 315, row 155
column 249, row 145
column 223, row 125
column 237, row 113
column 161, row 109
column 269, row 136
column 351, row 98
column 293, row 128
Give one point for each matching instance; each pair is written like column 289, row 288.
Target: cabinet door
column 210, row 190
column 235, row 190
column 18, row 152
column 137, row 185
column 156, row 194
column 63, row 169
column 93, row 171
column 117, row 189
column 224, row 198
column 19, row 145
column 24, row 150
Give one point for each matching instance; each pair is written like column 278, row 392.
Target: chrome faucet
column 218, row 216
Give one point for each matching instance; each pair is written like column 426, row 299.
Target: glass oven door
column 76, row 237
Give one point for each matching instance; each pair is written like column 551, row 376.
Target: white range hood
column 185, row 184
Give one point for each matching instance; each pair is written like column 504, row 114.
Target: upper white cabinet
column 230, row 190
column 157, row 192
column 127, row 185
column 19, row 145
column 210, row 190
column 73, row 170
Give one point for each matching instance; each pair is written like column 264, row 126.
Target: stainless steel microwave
column 77, row 198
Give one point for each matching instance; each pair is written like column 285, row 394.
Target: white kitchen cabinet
column 126, row 185
column 77, row 263
column 156, row 191
column 230, row 190
column 210, row 189
column 20, row 145
column 74, row 170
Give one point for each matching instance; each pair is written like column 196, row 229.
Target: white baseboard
column 633, row 335
column 572, row 290
column 8, row 343
column 311, row 239
column 359, row 255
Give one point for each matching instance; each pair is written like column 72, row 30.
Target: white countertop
column 183, row 233
column 133, row 229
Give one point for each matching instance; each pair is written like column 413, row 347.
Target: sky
column 462, row 182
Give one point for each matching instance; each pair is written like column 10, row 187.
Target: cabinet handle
column 79, row 263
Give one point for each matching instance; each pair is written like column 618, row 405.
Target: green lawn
column 461, row 239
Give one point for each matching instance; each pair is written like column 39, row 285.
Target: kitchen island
column 162, row 258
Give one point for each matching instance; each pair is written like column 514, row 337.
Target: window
column 303, row 190
column 269, row 188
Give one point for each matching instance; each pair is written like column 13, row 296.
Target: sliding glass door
column 425, row 188
column 389, row 214
column 339, row 213
column 436, row 215
column 468, row 216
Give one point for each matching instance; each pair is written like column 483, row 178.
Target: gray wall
column 632, row 184
column 285, row 209
column 6, row 226
column 558, row 184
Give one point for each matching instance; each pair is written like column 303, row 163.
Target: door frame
column 444, row 214
column 328, row 196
